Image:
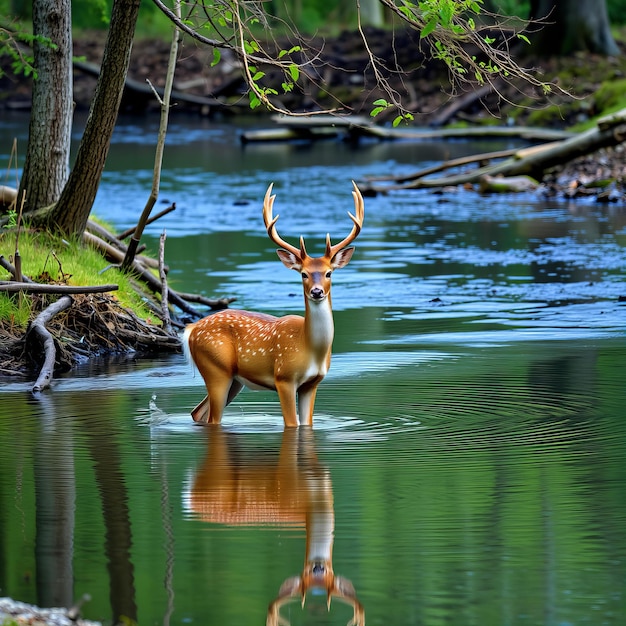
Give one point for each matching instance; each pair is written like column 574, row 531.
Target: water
column 467, row 459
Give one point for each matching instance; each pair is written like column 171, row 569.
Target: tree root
column 39, row 328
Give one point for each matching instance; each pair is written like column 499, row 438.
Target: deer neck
column 320, row 521
column 319, row 326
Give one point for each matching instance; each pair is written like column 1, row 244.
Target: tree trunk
column 48, row 151
column 572, row 26
column 72, row 210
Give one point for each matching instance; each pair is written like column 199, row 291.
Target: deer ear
column 289, row 259
column 342, row 258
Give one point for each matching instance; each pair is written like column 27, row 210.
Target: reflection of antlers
column 316, row 574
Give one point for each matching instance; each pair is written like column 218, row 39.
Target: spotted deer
column 233, row 349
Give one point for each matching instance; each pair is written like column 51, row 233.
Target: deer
column 292, row 490
column 233, row 349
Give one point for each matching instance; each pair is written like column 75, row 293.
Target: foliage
column 16, row 45
column 448, row 28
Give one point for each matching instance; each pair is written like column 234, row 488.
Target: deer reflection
column 294, row 489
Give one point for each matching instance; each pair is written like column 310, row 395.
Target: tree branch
column 30, row 287
column 39, row 328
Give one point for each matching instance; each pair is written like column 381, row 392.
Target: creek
column 467, row 455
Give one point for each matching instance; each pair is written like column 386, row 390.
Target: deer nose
column 317, row 293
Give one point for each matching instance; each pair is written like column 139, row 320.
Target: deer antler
column 359, row 210
column 270, row 224
column 296, row 586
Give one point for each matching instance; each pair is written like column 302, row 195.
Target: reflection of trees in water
column 55, row 493
column 55, row 483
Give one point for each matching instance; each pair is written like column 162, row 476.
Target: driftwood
column 534, row 161
column 31, row 287
column 39, row 328
column 433, row 169
column 213, row 303
column 354, row 127
column 457, row 105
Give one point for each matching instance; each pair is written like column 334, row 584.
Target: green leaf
column 217, row 55
column 523, row 38
column 381, row 102
column 250, row 46
column 294, row 71
column 429, row 28
column 396, row 121
column 254, row 100
column 446, row 12
column 376, row 111
column 258, row 76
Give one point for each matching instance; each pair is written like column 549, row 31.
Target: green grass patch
column 49, row 259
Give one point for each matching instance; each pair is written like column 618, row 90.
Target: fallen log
column 8, row 195
column 100, row 231
column 39, row 328
column 213, row 303
column 534, row 161
column 446, row 165
column 144, row 93
column 30, row 287
column 153, row 283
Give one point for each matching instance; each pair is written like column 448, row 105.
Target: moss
column 51, row 259
column 611, row 95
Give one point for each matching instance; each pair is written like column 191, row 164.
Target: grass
column 52, row 259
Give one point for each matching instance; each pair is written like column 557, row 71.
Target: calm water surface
column 467, row 460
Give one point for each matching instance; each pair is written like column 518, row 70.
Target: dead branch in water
column 534, row 161
column 39, row 328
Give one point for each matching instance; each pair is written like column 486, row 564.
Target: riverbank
column 587, row 84
column 595, row 83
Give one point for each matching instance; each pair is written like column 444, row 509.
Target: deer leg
column 235, row 388
column 218, row 397
column 287, row 396
column 306, row 402
column 201, row 412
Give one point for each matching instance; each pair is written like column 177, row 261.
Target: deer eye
column 328, row 274
column 305, row 275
